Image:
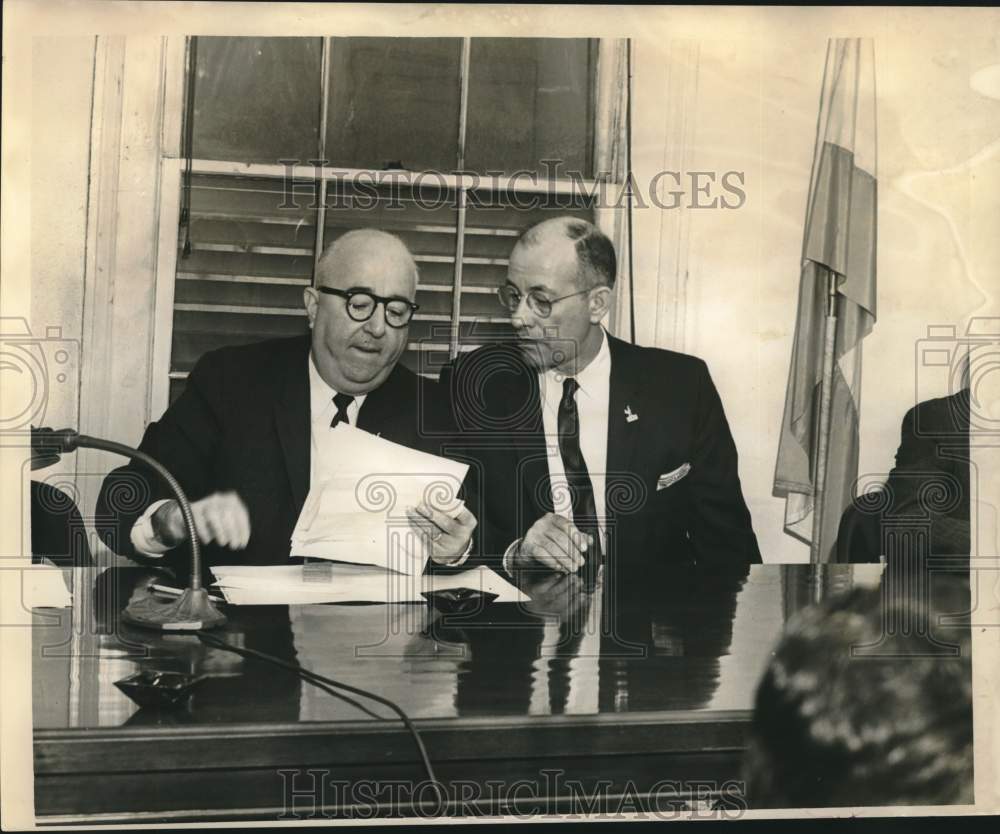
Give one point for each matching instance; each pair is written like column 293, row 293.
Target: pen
column 176, row 592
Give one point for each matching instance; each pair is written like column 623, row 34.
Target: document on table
column 356, row 507
column 338, row 582
column 24, row 586
column 45, row 587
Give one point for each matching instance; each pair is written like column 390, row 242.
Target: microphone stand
column 193, row 610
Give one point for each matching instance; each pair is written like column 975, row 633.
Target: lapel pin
column 630, row 416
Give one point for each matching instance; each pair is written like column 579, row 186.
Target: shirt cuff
column 508, row 556
column 143, row 538
column 461, row 561
column 465, row 555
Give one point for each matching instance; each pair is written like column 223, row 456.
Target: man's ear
column 600, row 303
column 310, row 298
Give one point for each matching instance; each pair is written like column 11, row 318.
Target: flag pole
column 826, row 396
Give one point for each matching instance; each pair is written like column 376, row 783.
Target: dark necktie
column 577, row 477
column 342, row 401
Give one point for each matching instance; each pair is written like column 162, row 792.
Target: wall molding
column 136, row 109
column 609, row 157
column 681, row 95
column 97, row 348
column 665, row 81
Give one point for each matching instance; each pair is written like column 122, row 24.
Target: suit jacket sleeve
column 720, row 529
column 184, row 440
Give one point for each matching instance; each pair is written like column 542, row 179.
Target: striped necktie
column 577, row 477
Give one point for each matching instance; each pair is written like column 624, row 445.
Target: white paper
column 336, row 582
column 26, row 586
column 362, row 487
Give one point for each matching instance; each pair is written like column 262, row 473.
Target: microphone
column 47, row 445
column 193, row 610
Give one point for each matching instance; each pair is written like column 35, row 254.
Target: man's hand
column 563, row 595
column 449, row 535
column 554, row 543
column 221, row 518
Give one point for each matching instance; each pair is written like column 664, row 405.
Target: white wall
column 755, row 110
column 61, row 100
column 103, row 112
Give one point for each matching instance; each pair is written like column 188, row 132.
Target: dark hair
column 850, row 713
column 595, row 253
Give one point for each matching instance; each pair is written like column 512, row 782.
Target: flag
column 839, row 242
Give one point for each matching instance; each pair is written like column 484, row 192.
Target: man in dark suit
column 590, row 449
column 241, row 438
column 58, row 533
column 928, row 488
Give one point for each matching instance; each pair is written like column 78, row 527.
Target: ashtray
column 459, row 600
column 158, row 689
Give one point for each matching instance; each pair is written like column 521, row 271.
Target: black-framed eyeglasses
column 510, row 298
column 361, row 306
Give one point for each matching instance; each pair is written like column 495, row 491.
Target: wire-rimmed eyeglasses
column 510, row 297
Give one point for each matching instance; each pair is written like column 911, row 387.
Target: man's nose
column 375, row 326
column 522, row 317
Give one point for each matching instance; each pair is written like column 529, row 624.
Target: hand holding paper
column 449, row 533
column 357, row 508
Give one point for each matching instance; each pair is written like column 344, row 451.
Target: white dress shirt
column 592, row 402
column 322, row 411
column 592, row 399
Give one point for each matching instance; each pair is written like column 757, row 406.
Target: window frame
column 609, row 87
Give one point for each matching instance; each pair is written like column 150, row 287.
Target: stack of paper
column 355, row 519
column 362, row 487
column 336, row 582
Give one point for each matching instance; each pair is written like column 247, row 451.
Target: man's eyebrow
column 368, row 290
column 535, row 288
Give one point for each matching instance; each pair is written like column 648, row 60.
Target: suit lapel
column 625, row 393
column 292, row 420
column 391, row 410
column 517, row 397
column 533, row 453
column 378, row 407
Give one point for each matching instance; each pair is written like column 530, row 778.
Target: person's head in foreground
column 852, row 711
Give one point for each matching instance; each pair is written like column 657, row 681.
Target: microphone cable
column 328, row 685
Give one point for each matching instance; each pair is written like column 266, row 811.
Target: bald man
column 595, row 451
column 241, row 438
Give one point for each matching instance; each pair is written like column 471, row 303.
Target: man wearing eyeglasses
column 242, row 437
column 592, row 450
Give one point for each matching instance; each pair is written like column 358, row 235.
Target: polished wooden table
column 575, row 701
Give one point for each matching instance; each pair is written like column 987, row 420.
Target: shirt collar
column 596, row 374
column 320, row 394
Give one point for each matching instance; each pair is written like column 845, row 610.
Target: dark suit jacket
column 702, row 518
column 928, row 486
column 242, row 423
column 57, row 529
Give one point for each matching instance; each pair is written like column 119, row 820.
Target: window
column 449, row 143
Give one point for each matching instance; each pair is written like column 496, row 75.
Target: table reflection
column 655, row 645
